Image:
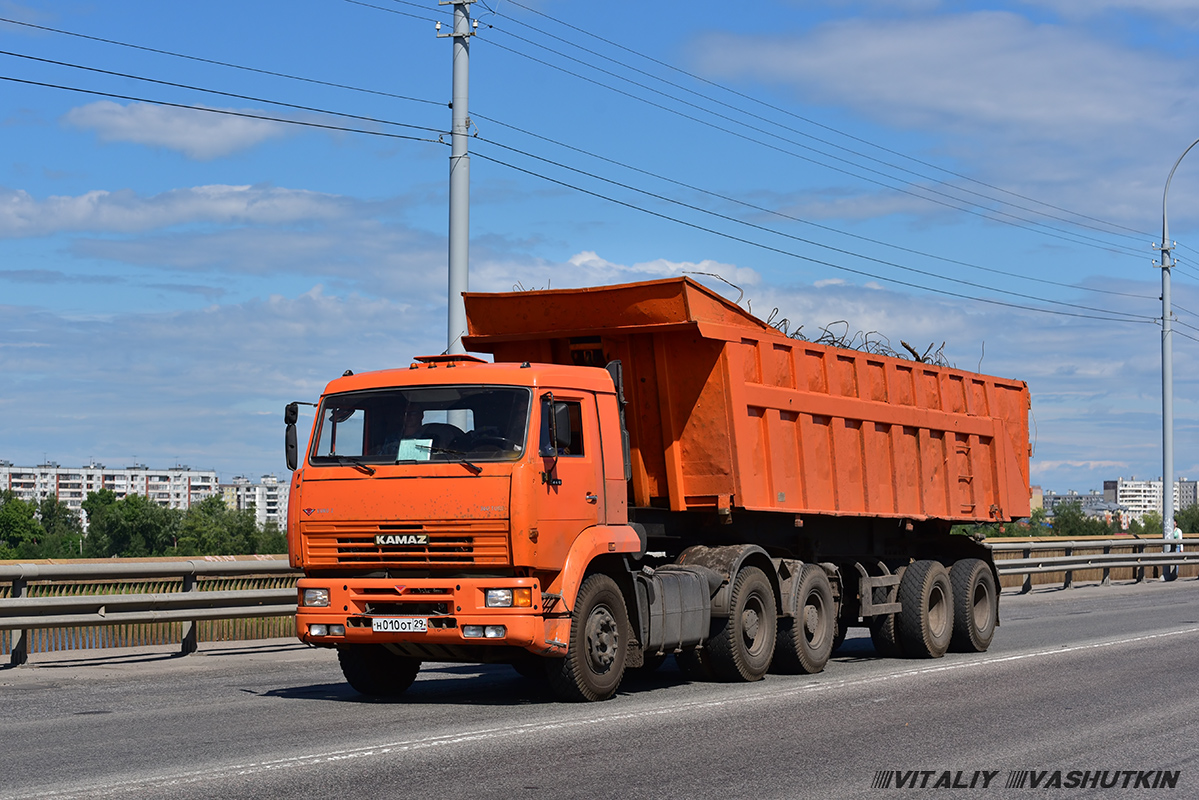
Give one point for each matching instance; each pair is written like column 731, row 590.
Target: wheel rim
column 982, row 606
column 603, row 639
column 938, row 612
column 815, row 620
column 752, row 630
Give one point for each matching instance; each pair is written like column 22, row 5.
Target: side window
column 342, row 433
column 567, row 428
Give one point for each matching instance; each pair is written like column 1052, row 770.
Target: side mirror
column 549, row 427
column 291, row 449
column 550, row 432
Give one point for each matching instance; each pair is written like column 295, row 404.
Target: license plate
column 399, row 625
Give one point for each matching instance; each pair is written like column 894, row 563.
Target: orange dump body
column 725, row 411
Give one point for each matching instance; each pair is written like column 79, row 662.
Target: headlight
column 509, row 598
column 316, row 597
column 484, row 631
column 499, row 598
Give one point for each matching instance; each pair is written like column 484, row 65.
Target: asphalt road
column 1097, row 680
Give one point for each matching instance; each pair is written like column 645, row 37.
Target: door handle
column 592, row 498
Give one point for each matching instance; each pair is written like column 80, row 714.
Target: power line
column 220, row 63
column 792, row 218
column 393, row 11
column 775, row 123
column 763, row 246
column 695, row 226
column 990, row 214
column 220, row 93
column 388, row 122
column 225, row 111
column 787, row 112
column 403, row 97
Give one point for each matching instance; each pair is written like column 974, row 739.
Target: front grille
column 408, row 609
column 450, row 544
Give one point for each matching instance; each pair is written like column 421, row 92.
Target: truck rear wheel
column 805, row 641
column 925, row 622
column 375, row 671
column 742, row 645
column 975, row 605
column 599, row 641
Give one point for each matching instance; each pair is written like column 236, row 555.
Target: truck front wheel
column 599, row 641
column 375, row 671
column 741, row 646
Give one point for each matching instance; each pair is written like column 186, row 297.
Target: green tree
column 19, row 528
column 134, row 526
column 1070, row 522
column 211, row 528
column 1036, row 519
column 62, row 528
column 270, row 540
column 1188, row 519
column 1150, row 526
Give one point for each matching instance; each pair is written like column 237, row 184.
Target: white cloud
column 125, row 211
column 210, row 383
column 202, row 380
column 1046, row 110
column 980, row 69
column 200, row 135
column 1185, row 11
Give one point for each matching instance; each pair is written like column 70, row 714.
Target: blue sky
column 983, row 175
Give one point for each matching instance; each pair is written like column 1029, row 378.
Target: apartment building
column 1141, row 497
column 1093, row 499
column 177, row 487
column 268, row 498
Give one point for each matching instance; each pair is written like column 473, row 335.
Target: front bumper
column 448, row 606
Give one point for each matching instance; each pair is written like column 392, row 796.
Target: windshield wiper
column 356, row 464
column 475, row 469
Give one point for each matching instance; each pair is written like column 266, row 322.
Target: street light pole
column 459, row 239
column 1168, row 364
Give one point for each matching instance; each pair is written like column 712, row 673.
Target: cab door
column 569, row 496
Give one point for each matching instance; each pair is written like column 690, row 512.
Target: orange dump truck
column 647, row 470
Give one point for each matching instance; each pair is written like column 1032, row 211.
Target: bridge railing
column 1095, row 558
column 108, row 603
column 141, row 602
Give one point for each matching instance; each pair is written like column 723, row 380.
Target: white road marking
column 743, row 696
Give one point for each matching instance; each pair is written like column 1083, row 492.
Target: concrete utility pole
column 1168, row 364
column 459, row 172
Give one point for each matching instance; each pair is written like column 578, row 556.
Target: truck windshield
column 432, row 423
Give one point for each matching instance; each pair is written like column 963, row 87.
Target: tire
column 741, row 646
column 599, row 641
column 839, row 636
column 883, row 634
column 375, row 671
column 975, row 606
column 805, row 641
column 924, row 624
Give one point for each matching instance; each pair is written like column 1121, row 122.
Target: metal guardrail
column 1167, row 553
column 22, row 613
